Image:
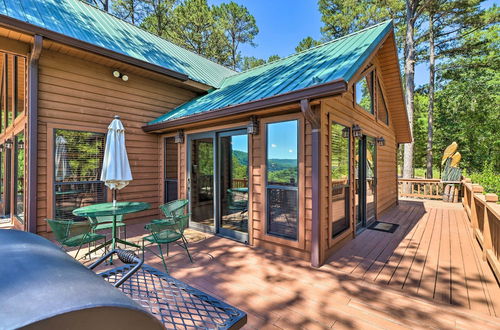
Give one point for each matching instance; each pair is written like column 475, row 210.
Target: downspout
column 33, row 132
column 312, row 117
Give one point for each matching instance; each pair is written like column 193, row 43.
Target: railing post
column 487, row 239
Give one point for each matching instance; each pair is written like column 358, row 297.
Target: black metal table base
column 176, row 304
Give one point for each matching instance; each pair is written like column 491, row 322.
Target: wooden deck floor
column 427, row 274
column 431, row 255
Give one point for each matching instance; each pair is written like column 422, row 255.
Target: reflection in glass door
column 200, row 181
column 370, row 178
column 233, row 184
column 365, row 183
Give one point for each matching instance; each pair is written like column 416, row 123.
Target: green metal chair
column 69, row 233
column 164, row 233
column 106, row 222
column 174, row 208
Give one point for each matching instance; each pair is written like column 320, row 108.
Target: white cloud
column 273, row 145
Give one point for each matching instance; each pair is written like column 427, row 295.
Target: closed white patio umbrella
column 115, row 168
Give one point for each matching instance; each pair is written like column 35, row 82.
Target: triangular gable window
column 364, row 92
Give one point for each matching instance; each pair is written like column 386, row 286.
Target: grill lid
column 44, row 288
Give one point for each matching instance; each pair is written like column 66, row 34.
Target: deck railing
column 484, row 215
column 428, row 189
column 240, row 183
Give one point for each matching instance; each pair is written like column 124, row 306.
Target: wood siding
column 81, row 94
column 343, row 110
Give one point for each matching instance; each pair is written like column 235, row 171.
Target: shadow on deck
column 428, row 273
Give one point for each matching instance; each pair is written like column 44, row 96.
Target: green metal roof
column 337, row 59
column 81, row 21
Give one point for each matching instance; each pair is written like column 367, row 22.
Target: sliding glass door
column 218, row 183
column 233, row 184
column 366, row 181
column 201, row 181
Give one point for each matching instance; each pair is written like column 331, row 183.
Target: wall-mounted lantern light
column 118, row 74
column 20, row 144
column 345, row 132
column 179, row 137
column 357, row 132
column 8, row 144
column 381, row 141
column 253, row 126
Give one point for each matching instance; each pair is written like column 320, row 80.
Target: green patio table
column 107, row 209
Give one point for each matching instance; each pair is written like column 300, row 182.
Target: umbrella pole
column 114, row 197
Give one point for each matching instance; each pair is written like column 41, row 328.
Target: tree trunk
column 411, row 6
column 430, row 114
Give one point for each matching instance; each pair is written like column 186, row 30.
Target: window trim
column 372, row 72
column 381, row 87
column 299, row 243
column 51, row 127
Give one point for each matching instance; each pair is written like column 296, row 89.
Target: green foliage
column 273, row 58
column 468, row 104
column 306, row 43
column 250, row 62
column 488, row 178
column 341, row 17
column 421, row 102
column 239, row 27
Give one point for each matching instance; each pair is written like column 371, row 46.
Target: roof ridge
column 138, row 27
column 313, row 48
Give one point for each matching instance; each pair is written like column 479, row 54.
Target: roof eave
column 331, row 88
column 28, row 28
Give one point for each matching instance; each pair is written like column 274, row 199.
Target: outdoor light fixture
column 1, row 148
column 20, row 144
column 356, row 131
column 179, row 137
column 253, row 126
column 345, row 133
column 118, row 74
column 381, row 141
column 8, row 144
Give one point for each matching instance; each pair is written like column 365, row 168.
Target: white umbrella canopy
column 116, row 168
column 63, row 169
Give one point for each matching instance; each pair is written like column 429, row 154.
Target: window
column 364, row 92
column 12, row 88
column 340, row 184
column 78, row 159
column 382, row 113
column 282, row 179
column 19, row 176
column 171, row 158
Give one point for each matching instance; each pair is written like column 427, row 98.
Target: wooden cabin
column 296, row 156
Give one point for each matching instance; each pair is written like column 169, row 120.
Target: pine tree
column 238, row 25
column 306, row 43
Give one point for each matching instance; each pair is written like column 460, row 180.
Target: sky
column 284, row 23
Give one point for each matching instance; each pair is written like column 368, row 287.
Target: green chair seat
column 73, row 233
column 83, row 239
column 164, row 237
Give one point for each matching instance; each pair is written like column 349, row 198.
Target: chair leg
column 78, row 251
column 163, row 258
column 186, row 248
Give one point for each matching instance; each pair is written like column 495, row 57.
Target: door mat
column 384, row 226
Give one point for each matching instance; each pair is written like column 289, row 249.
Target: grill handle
column 127, row 257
